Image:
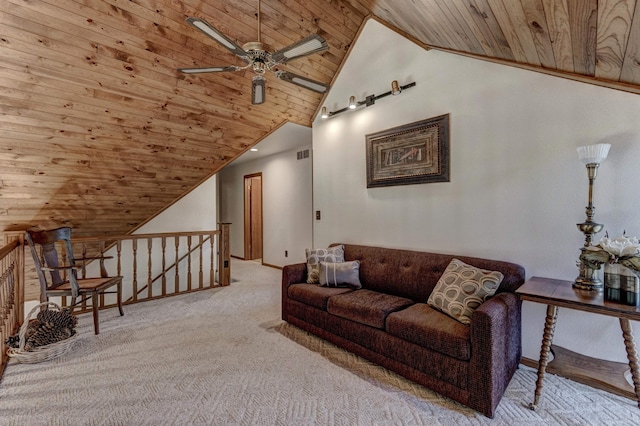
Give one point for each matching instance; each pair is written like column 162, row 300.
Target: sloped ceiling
column 100, row 132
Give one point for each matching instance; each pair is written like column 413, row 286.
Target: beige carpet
column 224, row 357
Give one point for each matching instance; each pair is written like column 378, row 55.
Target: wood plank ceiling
column 100, row 132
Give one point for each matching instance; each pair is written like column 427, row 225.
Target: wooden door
column 253, row 216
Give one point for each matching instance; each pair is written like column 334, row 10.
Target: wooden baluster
column 164, row 276
column 176, row 239
column 189, row 263
column 119, row 251
column 134, row 245
column 201, row 273
column 150, row 280
column 212, row 276
column 103, row 269
column 84, row 262
column 82, row 273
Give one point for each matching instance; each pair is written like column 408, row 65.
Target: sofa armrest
column 496, row 349
column 294, row 274
column 291, row 274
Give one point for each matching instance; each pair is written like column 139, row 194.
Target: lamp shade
column 593, row 154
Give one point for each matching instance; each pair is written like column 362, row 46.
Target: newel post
column 224, row 255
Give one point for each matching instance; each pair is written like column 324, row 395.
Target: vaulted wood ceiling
column 99, row 131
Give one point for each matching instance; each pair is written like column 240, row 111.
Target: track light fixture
column 396, row 89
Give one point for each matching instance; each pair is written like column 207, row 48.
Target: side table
column 558, row 293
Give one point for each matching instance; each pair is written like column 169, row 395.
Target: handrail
column 4, row 251
column 142, row 236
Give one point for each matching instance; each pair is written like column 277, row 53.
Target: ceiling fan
column 259, row 59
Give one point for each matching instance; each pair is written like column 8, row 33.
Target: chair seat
column 89, row 284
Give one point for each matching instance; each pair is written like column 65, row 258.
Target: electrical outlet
column 317, row 214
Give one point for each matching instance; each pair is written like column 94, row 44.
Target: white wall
column 517, row 188
column 196, row 211
column 286, row 205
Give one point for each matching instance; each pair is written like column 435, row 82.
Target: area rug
column 224, row 357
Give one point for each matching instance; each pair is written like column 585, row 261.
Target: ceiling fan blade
column 308, row 45
column 258, row 90
column 226, row 42
column 301, row 81
column 208, row 69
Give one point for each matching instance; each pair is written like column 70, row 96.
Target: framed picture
column 409, row 154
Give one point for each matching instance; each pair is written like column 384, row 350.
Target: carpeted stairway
column 224, row 357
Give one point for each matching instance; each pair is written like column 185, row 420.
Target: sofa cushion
column 462, row 288
column 431, row 329
column 313, row 294
column 366, row 306
column 317, row 255
column 340, row 274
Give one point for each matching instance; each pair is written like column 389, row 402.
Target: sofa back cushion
column 414, row 274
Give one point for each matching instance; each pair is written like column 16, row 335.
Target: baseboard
column 529, row 362
column 272, row 266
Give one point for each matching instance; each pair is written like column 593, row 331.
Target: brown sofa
column 388, row 322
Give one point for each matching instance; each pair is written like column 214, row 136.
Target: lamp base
column 588, row 279
column 587, row 284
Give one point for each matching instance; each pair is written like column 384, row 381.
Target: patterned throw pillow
column 315, row 256
column 462, row 288
column 340, row 274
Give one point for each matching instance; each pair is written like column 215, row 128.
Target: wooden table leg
column 547, row 339
column 632, row 355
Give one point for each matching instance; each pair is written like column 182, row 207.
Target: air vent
column 303, row 154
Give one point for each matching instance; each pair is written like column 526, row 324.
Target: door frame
column 247, row 216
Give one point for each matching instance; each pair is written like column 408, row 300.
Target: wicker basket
column 40, row 353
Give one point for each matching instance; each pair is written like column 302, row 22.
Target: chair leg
column 120, row 297
column 95, row 300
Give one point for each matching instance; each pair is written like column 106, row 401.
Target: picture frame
column 410, row 154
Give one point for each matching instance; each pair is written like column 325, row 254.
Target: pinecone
column 49, row 327
column 62, row 319
column 13, row 341
column 45, row 334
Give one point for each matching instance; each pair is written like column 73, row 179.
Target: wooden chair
column 47, row 259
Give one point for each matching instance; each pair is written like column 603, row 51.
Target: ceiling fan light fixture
column 257, row 90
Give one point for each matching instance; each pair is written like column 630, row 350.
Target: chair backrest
column 47, row 259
